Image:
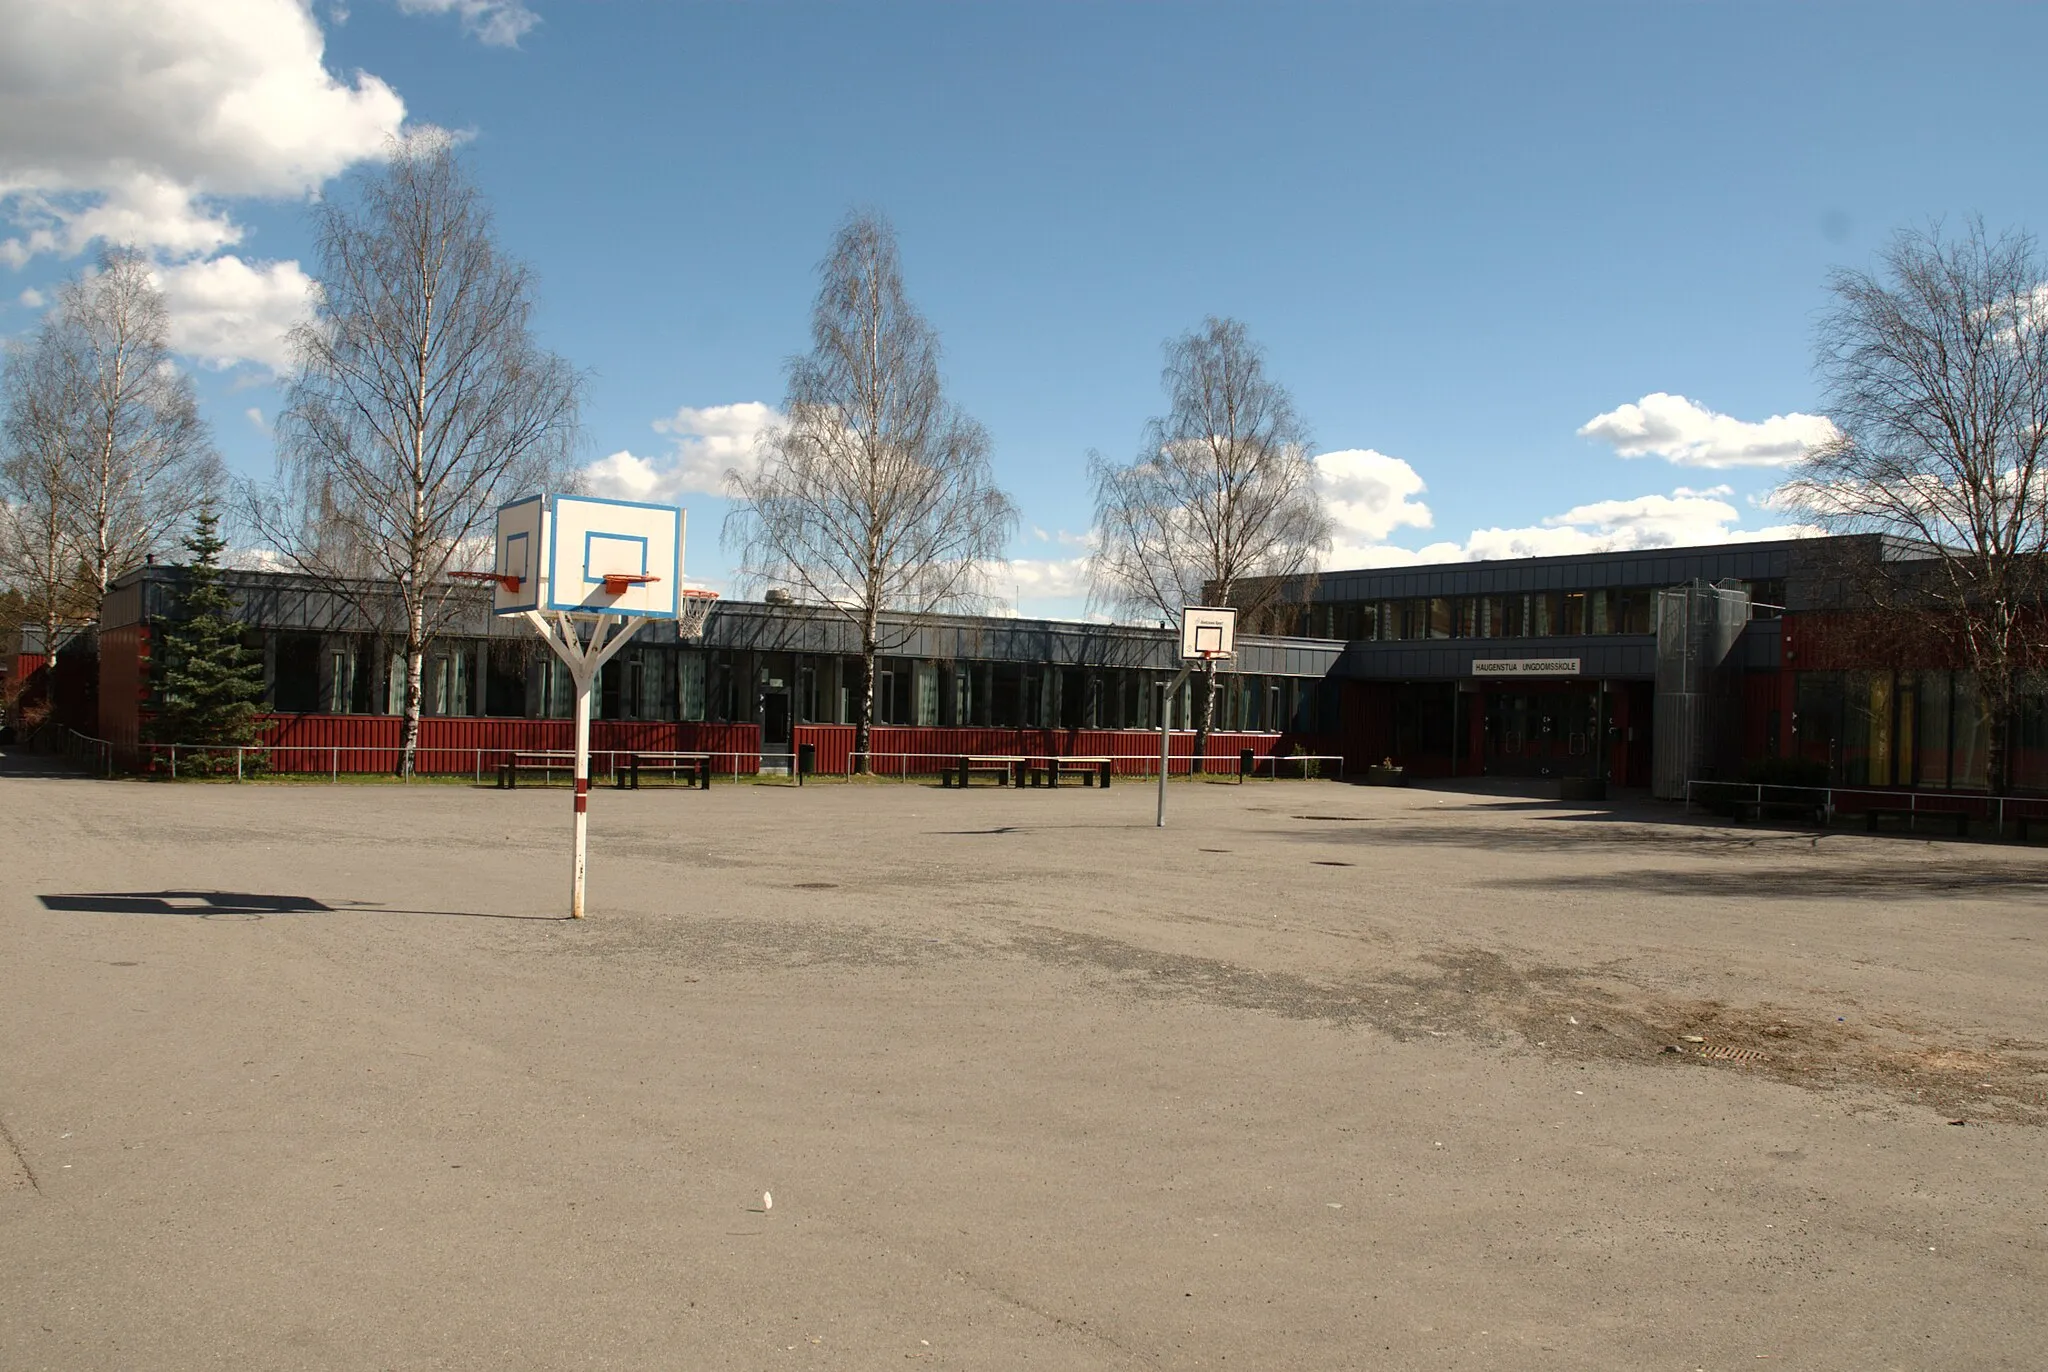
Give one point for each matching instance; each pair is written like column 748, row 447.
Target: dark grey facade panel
column 1617, row 656
column 1579, row 571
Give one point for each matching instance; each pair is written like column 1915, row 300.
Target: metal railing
column 310, row 759
column 1131, row 764
column 1825, row 802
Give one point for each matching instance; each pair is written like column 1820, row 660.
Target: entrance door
column 775, row 722
column 1543, row 733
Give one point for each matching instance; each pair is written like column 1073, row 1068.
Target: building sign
column 1525, row 666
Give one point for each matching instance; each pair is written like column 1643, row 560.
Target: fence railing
column 1828, row 802
column 928, row 764
column 479, row 763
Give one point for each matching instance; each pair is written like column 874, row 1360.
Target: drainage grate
column 1720, row 1054
column 817, row 886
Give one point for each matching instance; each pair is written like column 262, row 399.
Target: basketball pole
column 1166, row 694
column 584, row 662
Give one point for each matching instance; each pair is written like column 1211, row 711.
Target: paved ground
column 1320, row 1077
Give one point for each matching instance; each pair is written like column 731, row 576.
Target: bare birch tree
column 143, row 462
column 1936, row 375
column 421, row 401
column 40, row 557
column 877, row 493
column 105, row 454
column 1220, row 506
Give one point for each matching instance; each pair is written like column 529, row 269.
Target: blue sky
column 1463, row 233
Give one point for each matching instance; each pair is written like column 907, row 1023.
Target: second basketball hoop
column 1208, row 633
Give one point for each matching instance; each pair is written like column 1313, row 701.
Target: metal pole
column 1163, row 689
column 582, row 793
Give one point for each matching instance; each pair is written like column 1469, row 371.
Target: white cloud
column 32, row 299
column 1689, row 434
column 1684, row 518
column 121, row 119
column 225, row 310
column 256, row 420
column 1368, row 495
column 1041, row 578
column 706, row 443
column 500, row 23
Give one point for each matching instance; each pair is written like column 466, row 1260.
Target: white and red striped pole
column 584, row 661
column 583, row 684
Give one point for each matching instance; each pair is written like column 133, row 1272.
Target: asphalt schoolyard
column 1319, row 1076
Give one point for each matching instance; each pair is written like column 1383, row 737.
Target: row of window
column 1531, row 614
column 348, row 674
column 1924, row 729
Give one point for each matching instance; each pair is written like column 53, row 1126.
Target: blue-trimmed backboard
column 555, row 552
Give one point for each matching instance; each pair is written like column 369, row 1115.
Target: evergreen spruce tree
column 210, row 683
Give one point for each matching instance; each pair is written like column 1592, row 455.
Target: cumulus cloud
column 31, row 299
column 1368, row 495
column 705, row 443
column 225, row 310
column 123, row 119
column 1033, row 579
column 500, row 23
column 1689, row 434
column 1684, row 518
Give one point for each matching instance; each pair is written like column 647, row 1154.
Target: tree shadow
column 1921, row 881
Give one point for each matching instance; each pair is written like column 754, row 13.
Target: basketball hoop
column 615, row 583
column 695, row 608
column 510, row 583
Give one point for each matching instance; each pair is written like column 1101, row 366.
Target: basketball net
column 693, row 612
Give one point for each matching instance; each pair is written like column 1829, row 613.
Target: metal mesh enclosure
column 1697, row 626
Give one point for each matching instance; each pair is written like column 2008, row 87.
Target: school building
column 1641, row 669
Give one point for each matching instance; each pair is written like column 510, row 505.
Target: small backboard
column 587, row 555
column 1208, row 633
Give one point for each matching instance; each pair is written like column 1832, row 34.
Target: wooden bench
column 1960, row 818
column 509, row 770
column 696, row 766
column 1092, row 770
column 1008, row 770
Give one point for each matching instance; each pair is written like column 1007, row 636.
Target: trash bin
column 806, row 761
column 1245, row 763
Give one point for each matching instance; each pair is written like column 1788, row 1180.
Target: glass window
column 1442, row 617
column 1632, row 611
column 1930, row 727
column 1971, row 732
column 1599, row 619
column 1542, row 615
column 1572, row 613
column 690, row 685
column 1766, row 598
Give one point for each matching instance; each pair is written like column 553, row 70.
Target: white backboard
column 1208, row 632
column 562, row 548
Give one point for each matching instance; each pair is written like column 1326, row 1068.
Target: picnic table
column 696, row 766
column 539, row 761
column 1008, row 768
column 1093, row 771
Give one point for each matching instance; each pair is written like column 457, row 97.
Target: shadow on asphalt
column 200, row 903
column 1920, row 881
column 238, row 904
